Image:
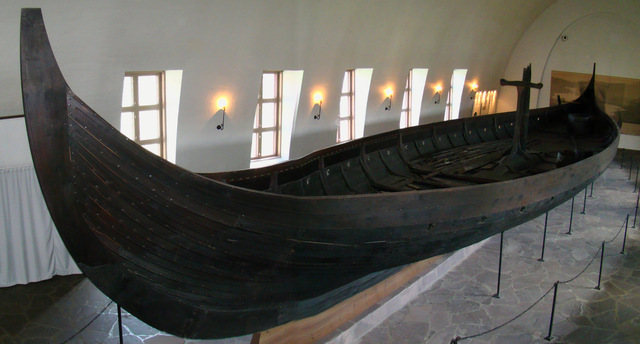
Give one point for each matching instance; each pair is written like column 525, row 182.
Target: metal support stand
column 120, row 324
column 553, row 309
column 636, row 213
column 571, row 215
column 591, row 192
column 635, row 185
column 497, row 294
column 624, row 239
column 622, row 158
column 584, row 203
column 544, row 236
column 630, row 167
column 601, row 260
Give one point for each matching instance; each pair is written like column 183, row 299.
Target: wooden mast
column 522, row 112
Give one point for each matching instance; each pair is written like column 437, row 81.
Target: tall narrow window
column 266, row 125
column 484, row 103
column 405, row 112
column 346, row 117
column 412, row 100
column 454, row 98
column 143, row 110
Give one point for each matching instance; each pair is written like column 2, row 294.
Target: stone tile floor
column 70, row 309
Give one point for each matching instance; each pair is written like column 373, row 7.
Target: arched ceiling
column 224, row 45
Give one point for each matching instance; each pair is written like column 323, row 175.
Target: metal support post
column 630, row 167
column 497, row 294
column 553, row 309
column 635, row 185
column 120, row 324
column 636, row 213
column 601, row 261
column 571, row 215
column 591, row 193
column 544, row 236
column 624, row 239
column 622, row 159
column 584, row 203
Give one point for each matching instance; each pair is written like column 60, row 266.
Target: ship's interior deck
column 452, row 155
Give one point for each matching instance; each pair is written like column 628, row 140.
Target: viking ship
column 225, row 254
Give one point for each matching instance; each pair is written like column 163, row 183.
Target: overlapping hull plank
column 225, row 254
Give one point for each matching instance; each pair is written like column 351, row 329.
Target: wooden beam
column 10, row 117
column 312, row 329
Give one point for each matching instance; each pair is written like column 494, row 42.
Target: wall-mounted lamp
column 317, row 100
column 474, row 89
column 389, row 93
column 437, row 95
column 222, row 105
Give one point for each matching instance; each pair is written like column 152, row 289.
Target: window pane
column 153, row 148
column 405, row 99
column 148, row 90
column 127, row 125
column 268, row 85
column 346, row 85
column 127, row 92
column 344, row 107
column 403, row 120
column 268, row 143
column 149, row 124
column 268, row 115
column 345, row 132
column 256, row 118
column 254, row 146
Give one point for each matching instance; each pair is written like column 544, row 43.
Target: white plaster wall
column 224, row 45
column 14, row 147
column 603, row 32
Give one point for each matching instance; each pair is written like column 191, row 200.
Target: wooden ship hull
column 226, row 254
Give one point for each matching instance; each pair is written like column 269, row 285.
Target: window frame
column 454, row 97
column 349, row 96
column 405, row 111
column 258, row 129
column 136, row 108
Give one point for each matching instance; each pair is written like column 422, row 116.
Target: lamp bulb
column 222, row 103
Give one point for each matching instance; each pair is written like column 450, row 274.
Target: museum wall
column 222, row 47
column 572, row 35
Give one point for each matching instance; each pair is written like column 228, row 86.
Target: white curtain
column 30, row 247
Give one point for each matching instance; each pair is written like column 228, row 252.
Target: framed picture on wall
column 618, row 97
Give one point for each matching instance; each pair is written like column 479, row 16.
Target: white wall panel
column 223, row 46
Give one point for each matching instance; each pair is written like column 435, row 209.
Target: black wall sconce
column 389, row 93
column 437, row 95
column 317, row 99
column 222, row 104
column 474, row 90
